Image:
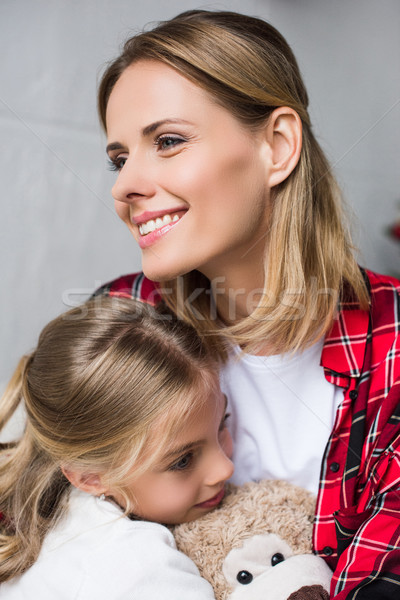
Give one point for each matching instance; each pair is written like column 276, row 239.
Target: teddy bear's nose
column 310, row 592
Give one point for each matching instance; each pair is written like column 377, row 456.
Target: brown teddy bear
column 257, row 544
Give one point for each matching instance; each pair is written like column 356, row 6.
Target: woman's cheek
column 122, row 211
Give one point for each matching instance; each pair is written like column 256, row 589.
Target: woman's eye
column 167, row 142
column 116, row 164
column 183, row 463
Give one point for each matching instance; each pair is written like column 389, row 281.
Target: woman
column 238, row 217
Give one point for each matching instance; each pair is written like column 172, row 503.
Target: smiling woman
column 239, row 219
column 239, row 149
column 198, row 179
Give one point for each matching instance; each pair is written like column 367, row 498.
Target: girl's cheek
column 227, row 443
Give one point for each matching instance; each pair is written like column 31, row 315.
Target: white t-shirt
column 95, row 553
column 282, row 413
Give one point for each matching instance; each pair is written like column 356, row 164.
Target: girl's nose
column 135, row 180
column 220, row 470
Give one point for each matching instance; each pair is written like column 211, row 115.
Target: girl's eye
column 167, row 142
column 183, row 463
column 116, row 164
column 224, row 420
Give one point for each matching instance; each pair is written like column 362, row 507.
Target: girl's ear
column 284, row 136
column 88, row 482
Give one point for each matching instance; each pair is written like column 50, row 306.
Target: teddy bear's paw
column 310, row 592
column 266, row 564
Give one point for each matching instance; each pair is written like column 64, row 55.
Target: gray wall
column 59, row 237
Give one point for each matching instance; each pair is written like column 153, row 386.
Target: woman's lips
column 150, row 238
column 214, row 501
column 147, row 238
column 153, row 224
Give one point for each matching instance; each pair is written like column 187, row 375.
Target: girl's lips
column 214, row 501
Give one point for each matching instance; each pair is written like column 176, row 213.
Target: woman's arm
column 369, row 567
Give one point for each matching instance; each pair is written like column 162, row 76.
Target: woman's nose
column 135, row 180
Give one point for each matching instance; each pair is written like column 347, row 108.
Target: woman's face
column 192, row 182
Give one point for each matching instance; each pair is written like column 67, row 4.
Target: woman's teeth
column 153, row 224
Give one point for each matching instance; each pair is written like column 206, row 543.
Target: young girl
column 222, row 183
column 125, row 432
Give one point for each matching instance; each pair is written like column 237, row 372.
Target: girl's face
column 192, row 181
column 188, row 479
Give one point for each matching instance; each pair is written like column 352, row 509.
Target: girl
column 232, row 202
column 125, row 431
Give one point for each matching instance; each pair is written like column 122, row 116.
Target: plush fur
column 266, row 507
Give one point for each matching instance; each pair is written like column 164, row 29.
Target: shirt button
column 353, row 395
column 334, row 467
column 328, row 551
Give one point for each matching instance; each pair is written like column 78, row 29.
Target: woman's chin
column 161, row 272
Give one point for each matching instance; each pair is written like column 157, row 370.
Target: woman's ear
column 284, row 137
column 88, row 482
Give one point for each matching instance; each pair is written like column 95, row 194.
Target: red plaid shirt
column 357, row 523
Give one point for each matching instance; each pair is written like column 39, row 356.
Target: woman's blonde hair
column 247, row 67
column 101, row 378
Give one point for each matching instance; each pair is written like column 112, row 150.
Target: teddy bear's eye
column 277, row 558
column 244, row 577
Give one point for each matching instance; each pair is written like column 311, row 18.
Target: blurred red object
column 394, row 231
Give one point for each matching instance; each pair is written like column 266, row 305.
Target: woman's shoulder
column 384, row 294
column 133, row 285
column 382, row 283
column 382, row 324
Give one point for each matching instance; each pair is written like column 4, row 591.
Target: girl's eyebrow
column 148, row 130
column 194, row 444
column 182, row 449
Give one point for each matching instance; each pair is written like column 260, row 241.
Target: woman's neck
column 237, row 291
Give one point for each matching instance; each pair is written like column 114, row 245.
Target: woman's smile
column 192, row 181
column 157, row 223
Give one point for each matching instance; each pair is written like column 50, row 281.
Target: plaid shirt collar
column 345, row 345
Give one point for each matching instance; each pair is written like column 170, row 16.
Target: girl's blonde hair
column 102, row 376
column 247, row 67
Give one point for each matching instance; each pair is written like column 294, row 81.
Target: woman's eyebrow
column 148, row 130
column 114, row 146
column 153, row 126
